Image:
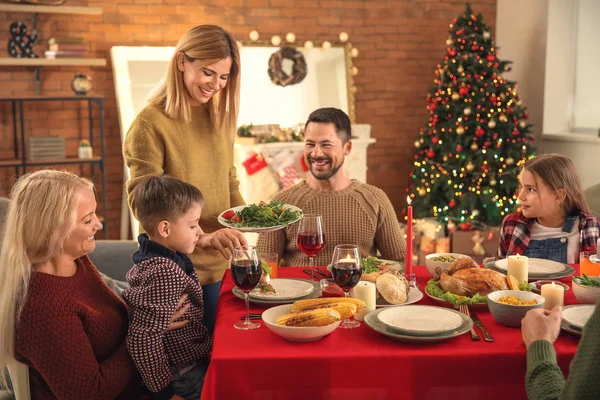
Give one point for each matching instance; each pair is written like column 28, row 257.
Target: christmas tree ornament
column 449, row 41
column 451, row 52
column 503, row 118
column 460, row 130
column 459, row 148
column 275, row 40
column 445, row 158
column 493, row 182
column 417, row 144
column 479, row 132
column 474, row 146
column 421, row 140
column 309, row 45
column 452, row 203
column 254, row 36
column 343, row 37
column 422, row 192
column 431, row 154
column 455, row 96
column 467, row 111
column 492, row 124
column 470, row 167
column 486, row 35
column 290, row 37
column 463, row 91
column 523, row 124
column 490, row 57
column 460, row 69
column 510, row 161
column 435, row 140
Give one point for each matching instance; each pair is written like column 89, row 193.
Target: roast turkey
column 464, row 277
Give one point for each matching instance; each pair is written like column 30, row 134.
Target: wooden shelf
column 40, row 62
column 19, row 163
column 32, row 8
column 10, row 163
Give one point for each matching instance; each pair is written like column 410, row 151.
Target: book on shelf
column 67, row 47
column 51, row 55
column 54, row 40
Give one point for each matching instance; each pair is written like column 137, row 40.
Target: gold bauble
column 417, row 144
column 493, row 182
column 455, row 96
column 460, row 69
column 460, row 130
column 449, row 41
column 470, row 167
column 510, row 161
column 421, row 140
column 492, row 124
column 474, row 146
column 523, row 124
column 445, row 158
column 467, row 111
column 422, row 192
column 503, row 118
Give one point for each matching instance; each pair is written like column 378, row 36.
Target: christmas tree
column 469, row 153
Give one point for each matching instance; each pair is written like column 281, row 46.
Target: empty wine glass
column 246, row 271
column 311, row 239
column 346, row 269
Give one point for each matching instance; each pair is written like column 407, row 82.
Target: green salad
column 433, row 288
column 585, row 280
column 263, row 215
column 371, row 264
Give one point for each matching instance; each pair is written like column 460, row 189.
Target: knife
column 486, row 336
column 318, row 271
column 309, row 272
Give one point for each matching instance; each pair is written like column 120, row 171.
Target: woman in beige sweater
column 187, row 131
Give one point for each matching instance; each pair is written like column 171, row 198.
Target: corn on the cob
column 331, row 302
column 320, row 317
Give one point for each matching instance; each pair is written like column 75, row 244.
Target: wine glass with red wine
column 311, row 239
column 246, row 272
column 346, row 270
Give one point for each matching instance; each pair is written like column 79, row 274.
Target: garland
column 276, row 73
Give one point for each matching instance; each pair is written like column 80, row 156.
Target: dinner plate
column 372, row 320
column 420, row 320
column 414, row 295
column 276, row 302
column 285, row 289
column 537, row 266
column 398, row 266
column 228, row 224
column 570, row 328
column 446, row 303
column 578, row 315
column 536, row 287
column 566, row 272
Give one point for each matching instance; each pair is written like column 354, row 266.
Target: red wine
column 246, row 274
column 346, row 274
column 311, row 243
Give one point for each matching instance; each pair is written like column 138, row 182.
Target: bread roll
column 392, row 289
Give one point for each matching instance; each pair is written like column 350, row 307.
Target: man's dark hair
column 159, row 198
column 335, row 116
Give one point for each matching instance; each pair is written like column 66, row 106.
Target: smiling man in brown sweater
column 352, row 212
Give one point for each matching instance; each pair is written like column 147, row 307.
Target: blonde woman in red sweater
column 56, row 315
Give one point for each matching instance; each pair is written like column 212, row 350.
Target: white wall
column 521, row 36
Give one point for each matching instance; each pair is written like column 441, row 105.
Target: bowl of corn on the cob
column 310, row 319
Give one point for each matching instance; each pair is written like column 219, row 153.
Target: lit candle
column 554, row 295
column 518, row 266
column 409, row 237
column 366, row 292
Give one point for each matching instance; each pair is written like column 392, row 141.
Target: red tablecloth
column 363, row 364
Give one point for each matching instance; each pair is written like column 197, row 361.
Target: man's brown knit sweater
column 361, row 214
column 194, row 153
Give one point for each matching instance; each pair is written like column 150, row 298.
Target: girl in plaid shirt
column 554, row 222
column 172, row 362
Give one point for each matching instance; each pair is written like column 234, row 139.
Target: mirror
column 328, row 83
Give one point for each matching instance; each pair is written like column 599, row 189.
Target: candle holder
column 412, row 280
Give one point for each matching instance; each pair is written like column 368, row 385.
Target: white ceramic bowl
column 431, row 264
column 295, row 333
column 586, row 294
column 508, row 314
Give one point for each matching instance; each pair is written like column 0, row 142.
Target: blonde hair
column 207, row 43
column 41, row 214
column 559, row 172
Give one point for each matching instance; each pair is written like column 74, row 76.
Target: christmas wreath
column 276, row 72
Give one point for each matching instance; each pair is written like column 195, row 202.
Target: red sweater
column 71, row 334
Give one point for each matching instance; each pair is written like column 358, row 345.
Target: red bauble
column 465, row 226
column 515, row 133
column 452, row 203
column 451, row 52
column 432, row 106
column 435, row 140
column 463, row 91
column 493, row 99
column 490, row 57
column 509, row 110
column 484, row 168
column 479, row 132
column 431, row 154
column 525, row 115
column 474, row 47
column 458, row 148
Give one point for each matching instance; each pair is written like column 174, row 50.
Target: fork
column 465, row 310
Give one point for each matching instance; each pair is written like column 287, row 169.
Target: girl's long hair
column 41, row 215
column 559, row 172
column 208, row 43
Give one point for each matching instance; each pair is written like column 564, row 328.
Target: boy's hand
column 179, row 311
column 224, row 240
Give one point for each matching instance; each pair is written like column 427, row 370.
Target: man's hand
column 179, row 311
column 224, row 240
column 541, row 324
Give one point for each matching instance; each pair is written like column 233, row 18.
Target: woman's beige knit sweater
column 194, row 153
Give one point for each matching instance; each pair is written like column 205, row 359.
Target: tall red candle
column 409, row 239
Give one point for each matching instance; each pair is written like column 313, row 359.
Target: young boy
column 172, row 359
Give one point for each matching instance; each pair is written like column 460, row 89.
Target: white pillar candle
column 518, row 266
column 554, row 295
column 366, row 292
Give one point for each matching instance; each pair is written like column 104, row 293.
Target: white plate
column 414, row 295
column 578, row 315
column 420, row 320
column 537, row 266
column 446, row 303
column 398, row 266
column 228, row 224
column 285, row 289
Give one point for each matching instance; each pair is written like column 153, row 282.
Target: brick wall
column 400, row 43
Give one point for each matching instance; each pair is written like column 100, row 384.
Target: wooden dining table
column 363, row 364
